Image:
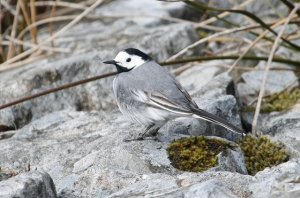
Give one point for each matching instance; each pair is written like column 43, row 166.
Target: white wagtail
column 148, row 94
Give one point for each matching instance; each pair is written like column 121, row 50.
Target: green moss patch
column 195, row 154
column 279, row 101
column 261, row 153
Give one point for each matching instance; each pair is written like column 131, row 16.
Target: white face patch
column 129, row 61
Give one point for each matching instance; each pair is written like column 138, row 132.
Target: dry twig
column 228, row 31
column 52, row 14
column 23, row 62
column 263, row 84
column 45, row 48
column 11, row 48
column 262, row 35
column 8, row 7
column 33, row 19
column 56, row 89
column 45, row 21
column 62, row 4
column 27, row 20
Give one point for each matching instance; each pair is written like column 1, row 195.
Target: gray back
column 151, row 77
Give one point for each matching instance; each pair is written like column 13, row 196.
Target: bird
column 148, row 94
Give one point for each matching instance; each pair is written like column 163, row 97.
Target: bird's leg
column 151, row 130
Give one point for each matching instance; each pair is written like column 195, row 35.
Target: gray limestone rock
column 280, row 181
column 28, row 185
column 4, row 175
column 247, row 119
column 139, row 11
column 195, row 78
column 277, row 81
column 261, row 9
column 232, row 160
column 209, row 189
column 285, row 127
column 85, row 153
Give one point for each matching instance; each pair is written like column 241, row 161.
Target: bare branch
column 66, row 86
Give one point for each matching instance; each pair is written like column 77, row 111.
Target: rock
column 28, row 185
column 277, row 81
column 133, row 8
column 280, row 181
column 85, row 154
column 269, row 12
column 4, row 176
column 139, row 12
column 209, row 189
column 220, row 84
column 232, row 160
column 149, row 185
column 199, row 75
column 285, row 127
column 256, row 8
column 6, row 118
column 76, row 147
column 247, row 120
column 219, row 181
column 7, row 134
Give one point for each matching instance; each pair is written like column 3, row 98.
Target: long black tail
column 198, row 113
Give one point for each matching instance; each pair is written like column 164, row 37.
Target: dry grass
column 27, row 15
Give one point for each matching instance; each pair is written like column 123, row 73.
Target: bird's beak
column 110, row 62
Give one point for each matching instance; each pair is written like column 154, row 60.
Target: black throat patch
column 121, row 69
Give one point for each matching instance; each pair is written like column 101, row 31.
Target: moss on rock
column 195, row 154
column 279, row 101
column 261, row 153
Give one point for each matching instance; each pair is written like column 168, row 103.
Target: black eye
column 128, row 59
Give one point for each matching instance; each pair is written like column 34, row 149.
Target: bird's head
column 129, row 59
